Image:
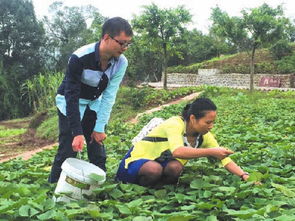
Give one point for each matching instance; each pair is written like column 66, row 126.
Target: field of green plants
column 259, row 127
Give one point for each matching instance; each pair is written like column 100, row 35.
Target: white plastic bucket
column 74, row 180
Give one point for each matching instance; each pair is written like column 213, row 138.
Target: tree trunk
column 252, row 70
column 164, row 75
column 164, row 70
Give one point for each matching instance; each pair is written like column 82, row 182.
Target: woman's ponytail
column 186, row 112
column 198, row 108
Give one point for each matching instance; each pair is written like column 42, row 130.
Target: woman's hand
column 220, row 152
column 245, row 176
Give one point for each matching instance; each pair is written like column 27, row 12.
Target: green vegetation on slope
column 239, row 63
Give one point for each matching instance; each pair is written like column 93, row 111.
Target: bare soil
column 16, row 146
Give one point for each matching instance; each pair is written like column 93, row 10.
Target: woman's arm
column 191, row 153
column 235, row 169
column 218, row 152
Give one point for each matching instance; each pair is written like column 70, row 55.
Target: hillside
column 239, row 63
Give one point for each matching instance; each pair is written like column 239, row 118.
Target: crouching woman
column 159, row 157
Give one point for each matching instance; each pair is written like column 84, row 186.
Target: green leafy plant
column 259, row 127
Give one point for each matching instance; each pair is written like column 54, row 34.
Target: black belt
column 155, row 139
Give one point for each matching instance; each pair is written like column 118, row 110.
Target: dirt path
column 27, row 144
column 28, row 154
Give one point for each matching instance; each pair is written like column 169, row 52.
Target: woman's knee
column 150, row 173
column 151, row 168
column 172, row 172
column 173, row 168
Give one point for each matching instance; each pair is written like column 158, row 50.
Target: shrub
column 40, row 91
column 265, row 67
column 232, row 68
column 286, row 65
column 280, row 49
column 185, row 69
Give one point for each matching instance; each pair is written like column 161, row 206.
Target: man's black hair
column 114, row 26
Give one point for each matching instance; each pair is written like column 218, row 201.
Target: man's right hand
column 220, row 152
column 78, row 143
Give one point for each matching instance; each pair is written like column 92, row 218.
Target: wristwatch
column 244, row 175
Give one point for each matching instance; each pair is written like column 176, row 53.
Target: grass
column 18, row 120
column 11, row 132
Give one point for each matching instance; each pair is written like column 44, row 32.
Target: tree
column 95, row 27
column 158, row 28
column 21, row 37
column 230, row 28
column 67, row 30
column 193, row 47
column 258, row 27
column 144, row 64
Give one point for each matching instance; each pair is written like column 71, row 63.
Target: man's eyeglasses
column 123, row 44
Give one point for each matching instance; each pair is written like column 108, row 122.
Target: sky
column 201, row 10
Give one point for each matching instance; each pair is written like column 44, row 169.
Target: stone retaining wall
column 216, row 78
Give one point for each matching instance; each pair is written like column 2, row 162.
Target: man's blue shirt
column 81, row 87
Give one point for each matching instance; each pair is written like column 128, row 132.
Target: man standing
column 88, row 92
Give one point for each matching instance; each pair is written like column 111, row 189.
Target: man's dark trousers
column 96, row 152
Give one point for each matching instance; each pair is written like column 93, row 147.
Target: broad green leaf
column 126, row 187
column 6, row 205
column 23, row 190
column 139, row 189
column 73, row 204
column 190, row 207
column 24, row 210
column 123, row 209
column 230, row 190
column 49, row 204
column 71, row 213
column 161, row 194
column 60, row 216
column 106, row 216
column 255, row 176
column 47, row 215
column 200, row 184
column 96, row 177
column 180, row 218
column 284, row 190
column 244, row 214
column 135, row 203
column 180, row 197
column 285, row 218
column 165, row 208
column 105, row 188
column 205, row 205
column 211, row 218
column 10, row 205
column 150, row 200
column 116, row 194
column 207, row 194
column 142, row 218
column 94, row 213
